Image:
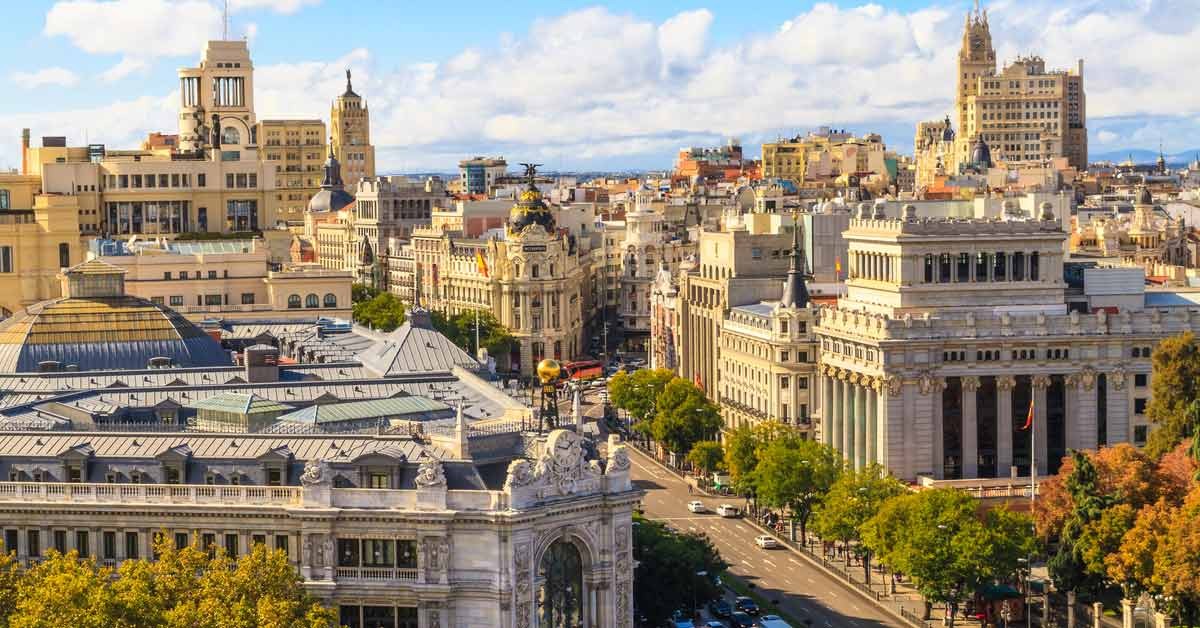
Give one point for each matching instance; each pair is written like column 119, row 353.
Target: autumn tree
column 796, row 474
column 854, row 498
column 1132, row 565
column 1175, row 389
column 1177, row 561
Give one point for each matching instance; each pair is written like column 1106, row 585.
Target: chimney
column 24, row 151
column 262, row 364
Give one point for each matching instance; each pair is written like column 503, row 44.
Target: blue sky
column 589, row 85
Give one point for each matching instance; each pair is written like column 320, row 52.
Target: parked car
column 680, row 619
column 773, row 621
column 741, row 620
column 697, row 506
column 720, row 608
column 712, row 623
column 746, row 605
column 766, row 541
column 728, row 510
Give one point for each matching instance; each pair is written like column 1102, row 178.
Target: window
column 981, row 266
column 281, row 542
column 330, row 300
column 33, row 543
column 535, row 271
column 131, row 545
column 202, row 180
column 108, row 545
column 167, row 275
column 1000, row 267
column 963, row 267
column 1139, row 405
column 231, row 545
column 274, row 477
column 82, row 544
column 74, row 473
column 293, row 301
column 348, row 553
column 247, row 298
column 6, row 259
column 258, row 539
column 756, row 253
column 230, row 135
column 944, row 268
column 802, row 383
column 181, row 540
column 1140, row 379
column 929, row 269
column 1033, row 266
column 212, row 274
column 783, row 382
column 212, row 299
column 10, row 541
column 5, row 202
column 784, row 356
column 172, row 475
column 176, row 300
column 60, row 541
column 311, row 301
column 1139, row 435
column 802, row 356
column 64, row 254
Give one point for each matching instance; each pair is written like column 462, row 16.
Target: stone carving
column 1005, row 382
column 1041, row 381
column 435, row 619
column 1072, row 380
column 926, row 382
column 618, row 458
column 430, row 474
column 562, row 462
column 318, row 548
column 1041, row 319
column 970, row 383
column 1117, row 378
column 520, row 473
column 437, row 556
column 327, row 551
column 316, row 472
column 894, row 385
column 524, row 588
column 1087, row 378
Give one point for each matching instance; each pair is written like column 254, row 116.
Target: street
column 801, row 589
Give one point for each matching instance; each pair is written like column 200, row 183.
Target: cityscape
column 609, row 318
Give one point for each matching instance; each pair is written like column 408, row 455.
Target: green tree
column 668, row 562
column 796, row 473
column 638, row 392
column 361, row 292
column 706, row 456
column 852, row 500
column 684, row 416
column 741, row 456
column 460, row 329
column 384, row 312
column 1175, row 389
column 1068, row 567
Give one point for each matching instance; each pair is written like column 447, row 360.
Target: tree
column 936, row 537
column 854, row 498
column 795, row 473
column 1132, row 565
column 361, row 292
column 684, row 416
column 1177, row 561
column 64, row 591
column 666, row 577
column 741, row 456
column 638, row 392
column 1175, row 389
column 384, row 312
column 706, row 456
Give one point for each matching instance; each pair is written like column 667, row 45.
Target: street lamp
column 699, row 574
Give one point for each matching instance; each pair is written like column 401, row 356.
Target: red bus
column 584, row 369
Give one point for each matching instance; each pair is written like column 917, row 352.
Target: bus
column 583, row 370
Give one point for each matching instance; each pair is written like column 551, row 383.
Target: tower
column 976, row 58
column 350, row 123
column 795, row 291
column 220, row 90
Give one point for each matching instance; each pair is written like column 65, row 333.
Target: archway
column 560, row 600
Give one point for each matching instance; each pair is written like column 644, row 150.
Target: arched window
column 230, row 135
column 330, row 300
column 312, row 301
column 293, row 301
column 560, row 597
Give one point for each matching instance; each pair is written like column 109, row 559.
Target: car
column 773, row 621
column 741, row 620
column 712, row 623
column 697, row 506
column 728, row 510
column 766, row 541
column 679, row 619
column 720, row 608
column 746, row 605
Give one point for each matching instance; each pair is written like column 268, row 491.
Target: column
column 872, row 435
column 1117, row 408
column 860, row 423
column 1004, row 448
column 1040, row 384
column 937, row 401
column 827, row 408
column 837, row 406
column 970, row 428
column 1082, row 418
column 847, row 445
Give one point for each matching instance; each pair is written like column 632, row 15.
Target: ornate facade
column 350, row 124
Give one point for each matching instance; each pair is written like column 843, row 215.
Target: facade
column 229, row 278
column 479, row 174
column 1147, row 237
column 650, row 243
column 350, row 124
column 952, row 329
column 825, row 155
column 297, row 149
column 388, row 208
column 723, row 163
column 1025, row 112
column 39, row 236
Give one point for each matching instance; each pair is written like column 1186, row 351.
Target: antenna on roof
column 225, row 21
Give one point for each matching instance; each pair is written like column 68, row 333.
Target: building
column 1025, row 112
column 723, row 163
column 1144, row 235
column 39, row 236
column 296, row 149
column 531, row 275
column 825, row 155
column 350, row 124
column 388, row 208
column 207, row 279
column 479, row 174
column 650, row 242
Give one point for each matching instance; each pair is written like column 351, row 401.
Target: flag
column 1029, row 417
column 837, row 265
column 481, row 263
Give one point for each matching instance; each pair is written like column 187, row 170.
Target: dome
column 98, row 327
column 981, row 155
column 530, row 209
column 548, row 370
column 333, row 195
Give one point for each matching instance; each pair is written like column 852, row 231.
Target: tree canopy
column 1175, row 390
column 666, row 577
column 796, row 474
column 384, row 312
column 684, row 416
column 638, row 392
column 706, row 456
column 460, row 329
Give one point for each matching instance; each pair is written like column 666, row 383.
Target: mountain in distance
column 1144, row 156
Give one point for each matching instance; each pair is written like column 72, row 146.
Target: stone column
column 1004, row 445
column 1083, row 414
column 872, row 422
column 1117, row 408
column 1040, row 384
column 939, row 430
column 847, row 444
column 970, row 428
column 860, row 423
column 837, row 403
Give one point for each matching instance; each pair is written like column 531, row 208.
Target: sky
column 622, row 84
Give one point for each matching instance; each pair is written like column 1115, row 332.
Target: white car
column 697, row 506
column 766, row 542
column 728, row 510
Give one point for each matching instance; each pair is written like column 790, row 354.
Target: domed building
column 530, row 209
column 333, row 195
column 96, row 326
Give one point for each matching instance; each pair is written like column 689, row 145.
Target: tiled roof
column 395, row 407
column 414, row 349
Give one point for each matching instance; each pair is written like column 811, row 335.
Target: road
column 802, row 590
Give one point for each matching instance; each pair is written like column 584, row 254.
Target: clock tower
column 976, row 58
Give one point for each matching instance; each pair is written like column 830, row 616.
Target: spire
column 333, row 171
column 349, row 89
column 795, row 292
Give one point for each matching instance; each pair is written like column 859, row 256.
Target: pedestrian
column 689, row 489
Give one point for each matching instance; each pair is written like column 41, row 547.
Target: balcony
column 150, row 494
column 375, row 574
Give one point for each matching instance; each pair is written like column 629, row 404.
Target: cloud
column 123, row 68
column 1107, row 137
column 279, row 6
column 137, row 28
column 60, row 77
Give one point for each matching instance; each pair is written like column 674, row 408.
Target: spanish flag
column 1028, row 418
column 481, row 263
column 837, row 265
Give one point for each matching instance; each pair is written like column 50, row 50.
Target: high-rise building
column 1024, row 112
column 296, row 149
column 350, row 124
column 479, row 174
